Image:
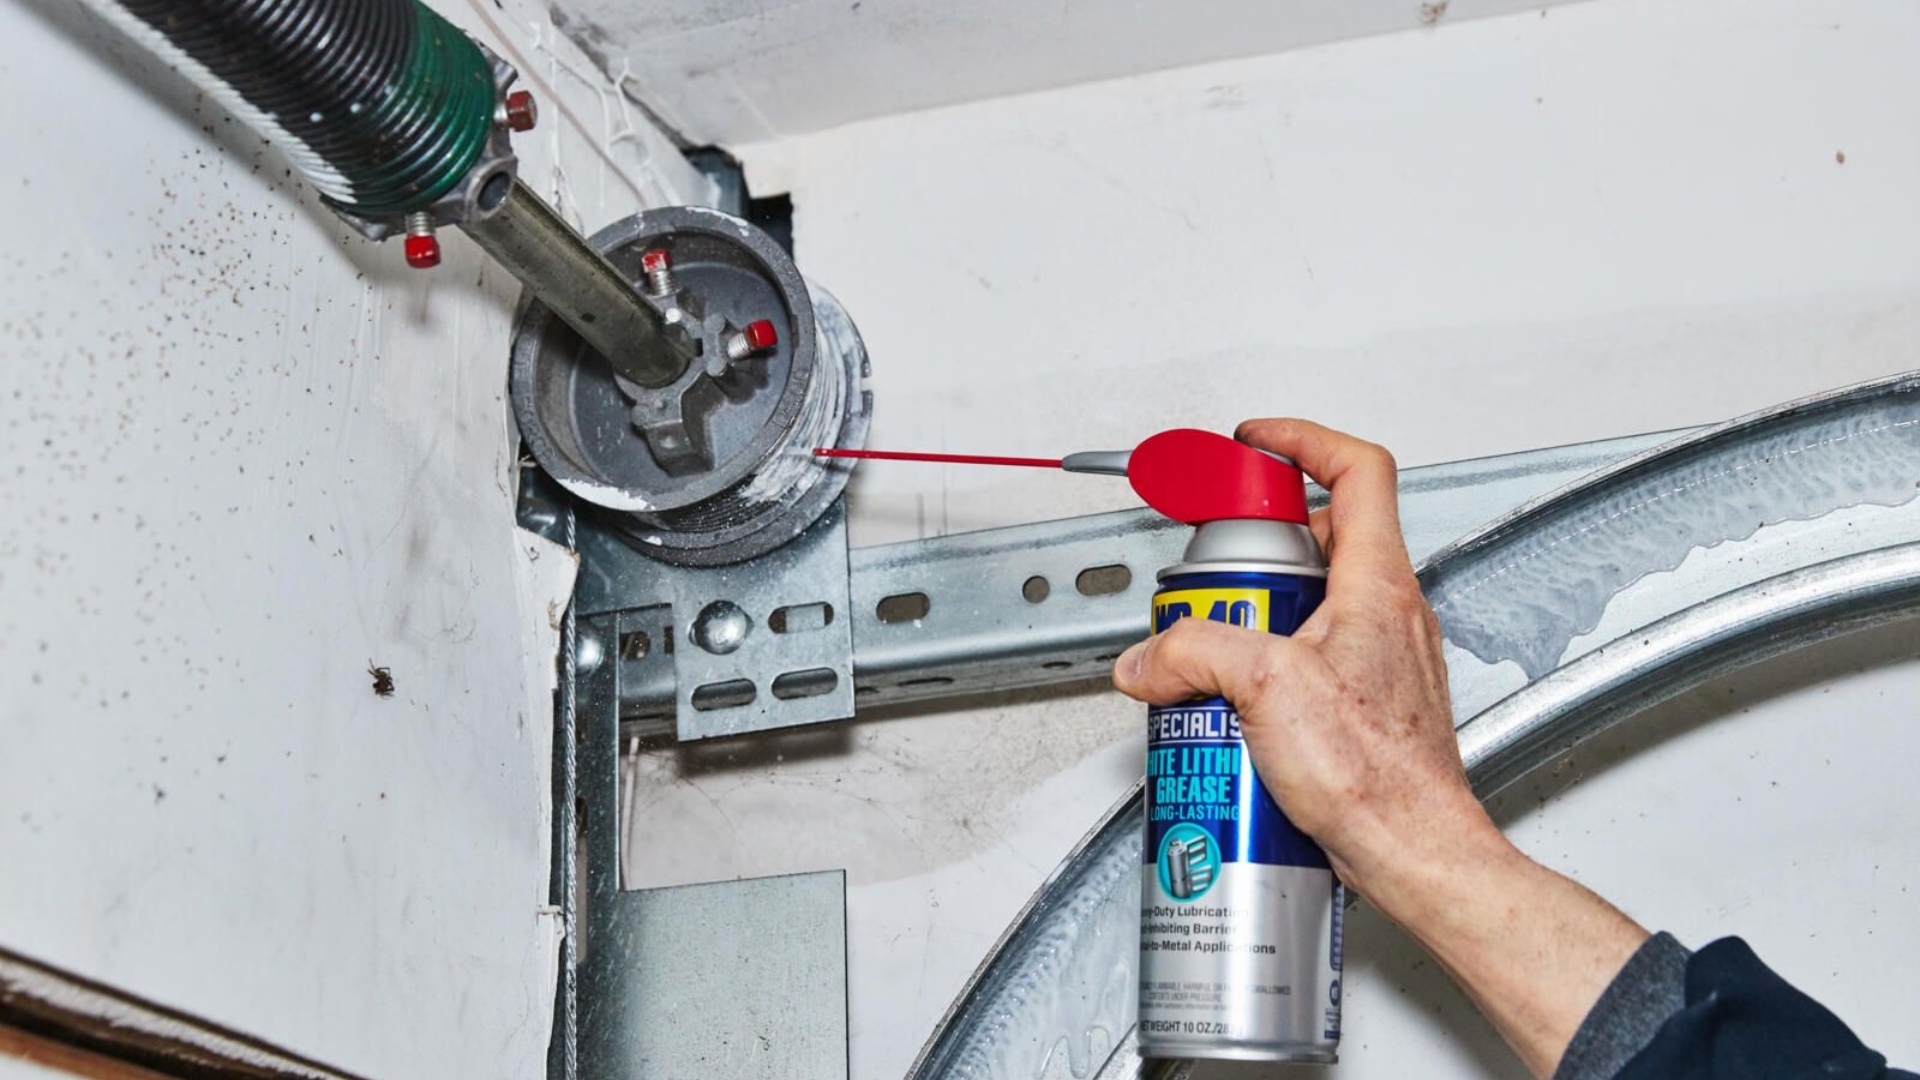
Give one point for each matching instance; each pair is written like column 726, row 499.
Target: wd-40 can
column 1240, row 913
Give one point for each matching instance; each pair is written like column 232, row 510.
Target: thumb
column 1198, row 657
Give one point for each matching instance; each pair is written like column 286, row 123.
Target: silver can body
column 1240, row 931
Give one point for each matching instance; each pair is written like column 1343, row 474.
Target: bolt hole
column 865, row 691
column 931, row 680
column 723, row 695
column 805, row 684
column 1107, row 659
column 797, row 618
column 493, row 191
column 1057, row 665
column 588, row 317
column 905, row 607
column 635, row 645
column 1036, row 589
column 1103, row 580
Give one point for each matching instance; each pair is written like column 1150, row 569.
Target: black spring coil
column 384, row 95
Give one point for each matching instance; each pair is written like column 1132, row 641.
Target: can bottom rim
column 1303, row 1053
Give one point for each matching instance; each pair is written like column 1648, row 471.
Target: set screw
column 758, row 337
column 657, row 265
column 519, row 112
column 423, row 248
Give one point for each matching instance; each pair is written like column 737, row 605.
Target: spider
column 382, row 680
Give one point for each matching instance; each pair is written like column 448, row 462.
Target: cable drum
column 762, row 415
column 792, row 477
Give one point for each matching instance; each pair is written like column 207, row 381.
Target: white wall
column 244, row 455
column 1604, row 218
column 730, row 71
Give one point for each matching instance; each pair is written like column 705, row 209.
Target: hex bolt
column 758, row 337
column 519, row 112
column 657, row 265
column 423, row 248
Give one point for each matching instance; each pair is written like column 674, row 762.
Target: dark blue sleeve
column 1743, row 1022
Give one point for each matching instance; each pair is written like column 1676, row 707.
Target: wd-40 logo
column 1235, row 607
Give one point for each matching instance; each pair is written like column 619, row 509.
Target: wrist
column 1413, row 875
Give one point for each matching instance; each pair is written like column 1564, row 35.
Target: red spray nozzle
column 1197, row 476
column 1189, row 475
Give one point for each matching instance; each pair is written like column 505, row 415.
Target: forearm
column 1533, row 948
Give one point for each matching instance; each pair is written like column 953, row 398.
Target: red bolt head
column 655, row 260
column 522, row 112
column 761, row 335
column 423, row 251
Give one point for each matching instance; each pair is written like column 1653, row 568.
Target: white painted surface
column 729, row 71
column 1516, row 232
column 246, row 455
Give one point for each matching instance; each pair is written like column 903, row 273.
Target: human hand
column 1348, row 721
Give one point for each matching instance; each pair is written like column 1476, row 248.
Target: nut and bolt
column 657, row 265
column 422, row 247
column 519, row 111
column 758, row 337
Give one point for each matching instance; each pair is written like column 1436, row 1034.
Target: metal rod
column 950, row 459
column 528, row 238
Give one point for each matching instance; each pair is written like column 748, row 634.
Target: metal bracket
column 744, row 979
column 726, row 650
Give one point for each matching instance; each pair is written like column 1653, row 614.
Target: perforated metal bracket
column 995, row 610
column 746, row 979
column 728, row 650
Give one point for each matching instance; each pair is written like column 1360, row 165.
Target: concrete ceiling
column 733, row 71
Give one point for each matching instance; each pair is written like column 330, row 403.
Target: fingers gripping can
column 1240, row 913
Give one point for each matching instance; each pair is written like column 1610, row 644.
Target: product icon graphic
column 1189, row 862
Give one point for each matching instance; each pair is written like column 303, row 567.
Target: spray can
column 1240, row 930
column 1240, row 911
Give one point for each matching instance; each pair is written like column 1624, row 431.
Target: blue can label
column 1240, row 935
column 1201, row 785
